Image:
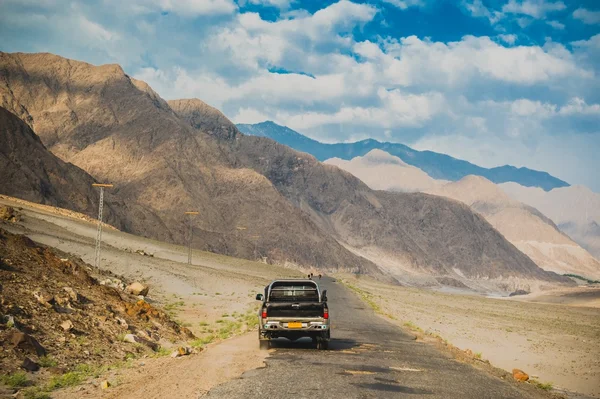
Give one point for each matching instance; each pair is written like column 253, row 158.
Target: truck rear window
column 288, row 292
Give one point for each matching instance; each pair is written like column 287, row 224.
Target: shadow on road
column 387, row 387
column 336, row 344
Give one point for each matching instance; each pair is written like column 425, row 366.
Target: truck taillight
column 326, row 313
column 264, row 313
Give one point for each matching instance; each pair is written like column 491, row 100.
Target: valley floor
column 552, row 342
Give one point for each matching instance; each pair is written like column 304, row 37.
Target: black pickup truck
column 293, row 309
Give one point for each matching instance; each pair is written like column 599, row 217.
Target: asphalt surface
column 367, row 358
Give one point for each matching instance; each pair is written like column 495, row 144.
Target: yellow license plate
column 294, row 325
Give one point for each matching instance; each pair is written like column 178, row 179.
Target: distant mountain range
column 525, row 227
column 438, row 166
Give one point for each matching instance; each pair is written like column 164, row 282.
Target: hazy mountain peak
column 377, row 156
column 471, row 189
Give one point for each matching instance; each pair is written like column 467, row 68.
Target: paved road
column 368, row 358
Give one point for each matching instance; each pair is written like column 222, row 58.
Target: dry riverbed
column 554, row 343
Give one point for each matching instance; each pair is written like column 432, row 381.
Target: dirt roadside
column 555, row 344
column 190, row 376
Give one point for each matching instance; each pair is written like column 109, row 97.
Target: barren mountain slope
column 382, row 171
column 420, row 233
column 524, row 226
column 120, row 131
column 575, row 209
column 292, row 207
column 31, row 172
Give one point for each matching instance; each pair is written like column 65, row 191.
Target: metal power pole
column 99, row 229
column 190, row 234
column 256, row 238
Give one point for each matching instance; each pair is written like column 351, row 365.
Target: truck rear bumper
column 294, row 329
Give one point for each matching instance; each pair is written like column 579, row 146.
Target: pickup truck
column 294, row 309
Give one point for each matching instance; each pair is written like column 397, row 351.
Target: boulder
column 9, row 214
column 122, row 322
column 137, row 289
column 182, row 351
column 135, row 339
column 114, row 283
column 44, row 298
column 30, row 365
column 72, row 294
column 26, row 343
column 67, row 325
column 131, row 338
column 520, row 375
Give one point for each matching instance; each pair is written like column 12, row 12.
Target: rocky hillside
column 250, row 191
column 33, row 173
column 526, row 227
column 56, row 318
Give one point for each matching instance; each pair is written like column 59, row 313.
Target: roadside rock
column 131, row 338
column 30, row 365
column 44, row 298
column 121, row 322
column 9, row 214
column 72, row 294
column 134, row 339
column 518, row 292
column 67, row 325
column 520, row 375
column 114, row 283
column 181, row 351
column 138, row 289
column 26, row 343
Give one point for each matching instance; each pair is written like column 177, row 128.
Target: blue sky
column 494, row 82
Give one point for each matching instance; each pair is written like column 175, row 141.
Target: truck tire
column 322, row 344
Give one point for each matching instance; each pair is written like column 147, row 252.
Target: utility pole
column 99, row 229
column 256, row 238
column 191, row 233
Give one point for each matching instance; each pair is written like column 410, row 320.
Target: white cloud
column 579, row 106
column 556, row 25
column 281, row 4
column 477, row 9
column 190, row 8
column 422, row 62
column 587, row 16
column 533, row 8
column 404, row 4
column 508, row 38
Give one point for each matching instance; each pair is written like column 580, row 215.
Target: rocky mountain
column 575, row 209
column 437, row 166
column 250, row 191
column 33, row 173
column 382, row 171
column 524, row 226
